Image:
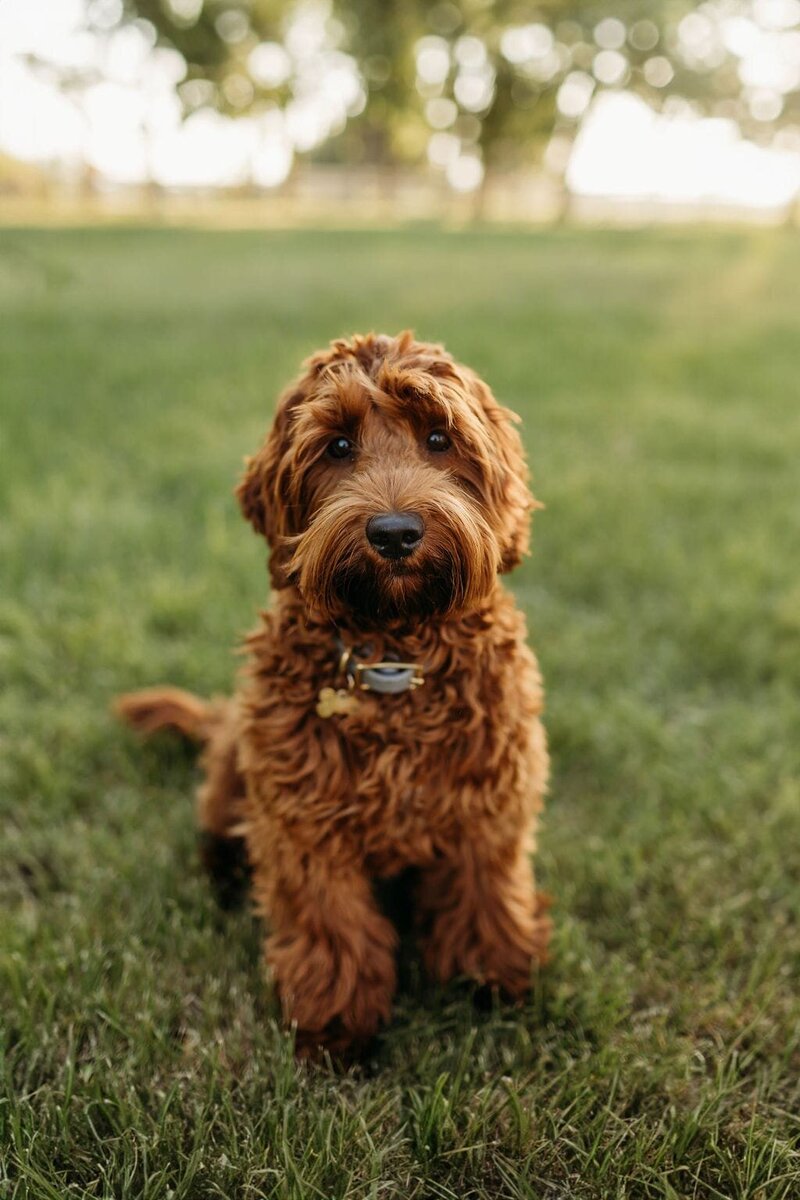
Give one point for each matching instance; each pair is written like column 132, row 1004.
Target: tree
column 472, row 84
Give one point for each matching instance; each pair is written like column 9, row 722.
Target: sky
column 128, row 123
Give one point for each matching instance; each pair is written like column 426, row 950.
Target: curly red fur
column 447, row 778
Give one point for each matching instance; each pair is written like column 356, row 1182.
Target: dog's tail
column 159, row 708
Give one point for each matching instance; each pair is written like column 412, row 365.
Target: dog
column 390, row 715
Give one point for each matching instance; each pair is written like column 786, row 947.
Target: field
column 657, row 374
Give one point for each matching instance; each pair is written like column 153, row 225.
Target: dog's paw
column 336, row 1045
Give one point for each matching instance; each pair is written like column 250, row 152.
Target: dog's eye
column 438, row 441
column 340, row 447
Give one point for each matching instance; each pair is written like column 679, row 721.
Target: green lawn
column 658, row 376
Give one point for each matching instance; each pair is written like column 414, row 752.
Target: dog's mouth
column 393, row 590
column 402, row 568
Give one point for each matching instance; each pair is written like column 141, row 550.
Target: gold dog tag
column 336, row 701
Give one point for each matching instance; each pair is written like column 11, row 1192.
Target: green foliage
column 213, row 51
column 659, row 1056
column 502, row 105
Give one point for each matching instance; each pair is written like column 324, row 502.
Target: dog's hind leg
column 220, row 803
column 221, row 795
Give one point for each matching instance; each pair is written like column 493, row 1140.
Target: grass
column 660, row 1056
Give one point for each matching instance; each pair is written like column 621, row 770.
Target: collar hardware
column 386, row 678
column 389, row 678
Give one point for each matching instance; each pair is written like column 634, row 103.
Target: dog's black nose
column 395, row 535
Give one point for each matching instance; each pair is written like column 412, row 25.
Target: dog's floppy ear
column 519, row 499
column 249, row 491
column 510, row 494
column 260, row 491
column 257, row 489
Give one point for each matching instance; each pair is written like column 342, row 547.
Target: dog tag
column 336, row 701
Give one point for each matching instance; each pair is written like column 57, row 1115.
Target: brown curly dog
column 389, row 717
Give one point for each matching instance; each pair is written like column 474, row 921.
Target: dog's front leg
column 331, row 952
column 482, row 917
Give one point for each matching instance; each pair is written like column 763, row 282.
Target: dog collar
column 387, row 678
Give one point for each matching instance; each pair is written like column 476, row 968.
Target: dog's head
column 391, row 485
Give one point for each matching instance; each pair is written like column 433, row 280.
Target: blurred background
column 270, row 111
column 194, row 196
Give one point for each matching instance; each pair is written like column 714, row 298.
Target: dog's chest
column 401, row 775
column 398, row 763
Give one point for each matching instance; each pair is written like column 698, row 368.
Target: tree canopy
column 470, row 84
